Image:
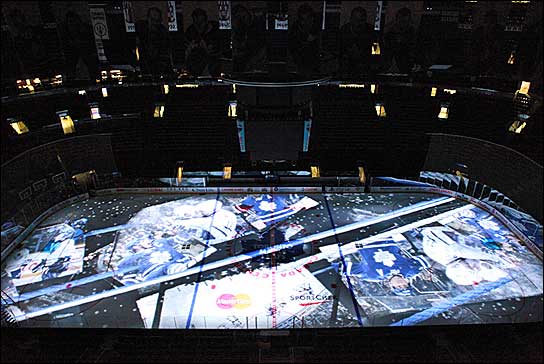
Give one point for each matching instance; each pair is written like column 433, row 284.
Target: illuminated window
column 444, row 111
column 66, row 122
column 232, row 109
column 104, row 92
column 159, row 111
column 376, row 48
column 19, row 126
column 227, row 171
column 433, row 92
column 380, row 110
column 524, row 88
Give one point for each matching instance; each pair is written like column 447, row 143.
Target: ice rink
column 245, row 261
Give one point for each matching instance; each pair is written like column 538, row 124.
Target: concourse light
column 351, row 85
column 232, row 109
column 233, row 88
column 316, row 173
column 95, row 111
column 66, row 122
column 373, row 88
column 159, row 111
column 165, row 89
column 524, row 88
column 179, row 171
column 137, row 54
column 511, row 59
column 104, row 92
column 444, row 111
column 18, row 125
column 517, row 126
column 227, row 171
column 376, row 49
column 380, row 110
column 362, row 175
column 450, row 91
column 433, row 92
column 82, row 92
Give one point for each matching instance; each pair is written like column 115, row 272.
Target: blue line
column 354, row 300
column 456, row 301
column 189, row 318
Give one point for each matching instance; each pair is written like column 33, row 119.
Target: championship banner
column 172, row 20
column 100, row 27
column 128, row 14
column 224, row 15
column 100, row 30
column 378, row 18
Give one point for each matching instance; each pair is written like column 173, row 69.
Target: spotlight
column 66, row 122
column 227, row 171
column 18, row 125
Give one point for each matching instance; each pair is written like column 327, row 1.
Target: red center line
column 273, row 263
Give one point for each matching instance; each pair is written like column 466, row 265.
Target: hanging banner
column 307, row 130
column 100, row 30
column 378, row 18
column 100, row 27
column 172, row 20
column 241, row 135
column 128, row 13
column 224, row 15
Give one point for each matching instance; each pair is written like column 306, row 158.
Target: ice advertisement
column 271, row 260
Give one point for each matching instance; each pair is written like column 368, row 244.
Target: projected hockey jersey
column 382, row 260
column 266, row 210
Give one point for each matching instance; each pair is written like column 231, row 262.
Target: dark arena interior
column 271, row 181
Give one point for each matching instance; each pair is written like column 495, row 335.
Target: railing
column 492, row 165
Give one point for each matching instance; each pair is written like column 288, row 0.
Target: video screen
column 271, row 261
